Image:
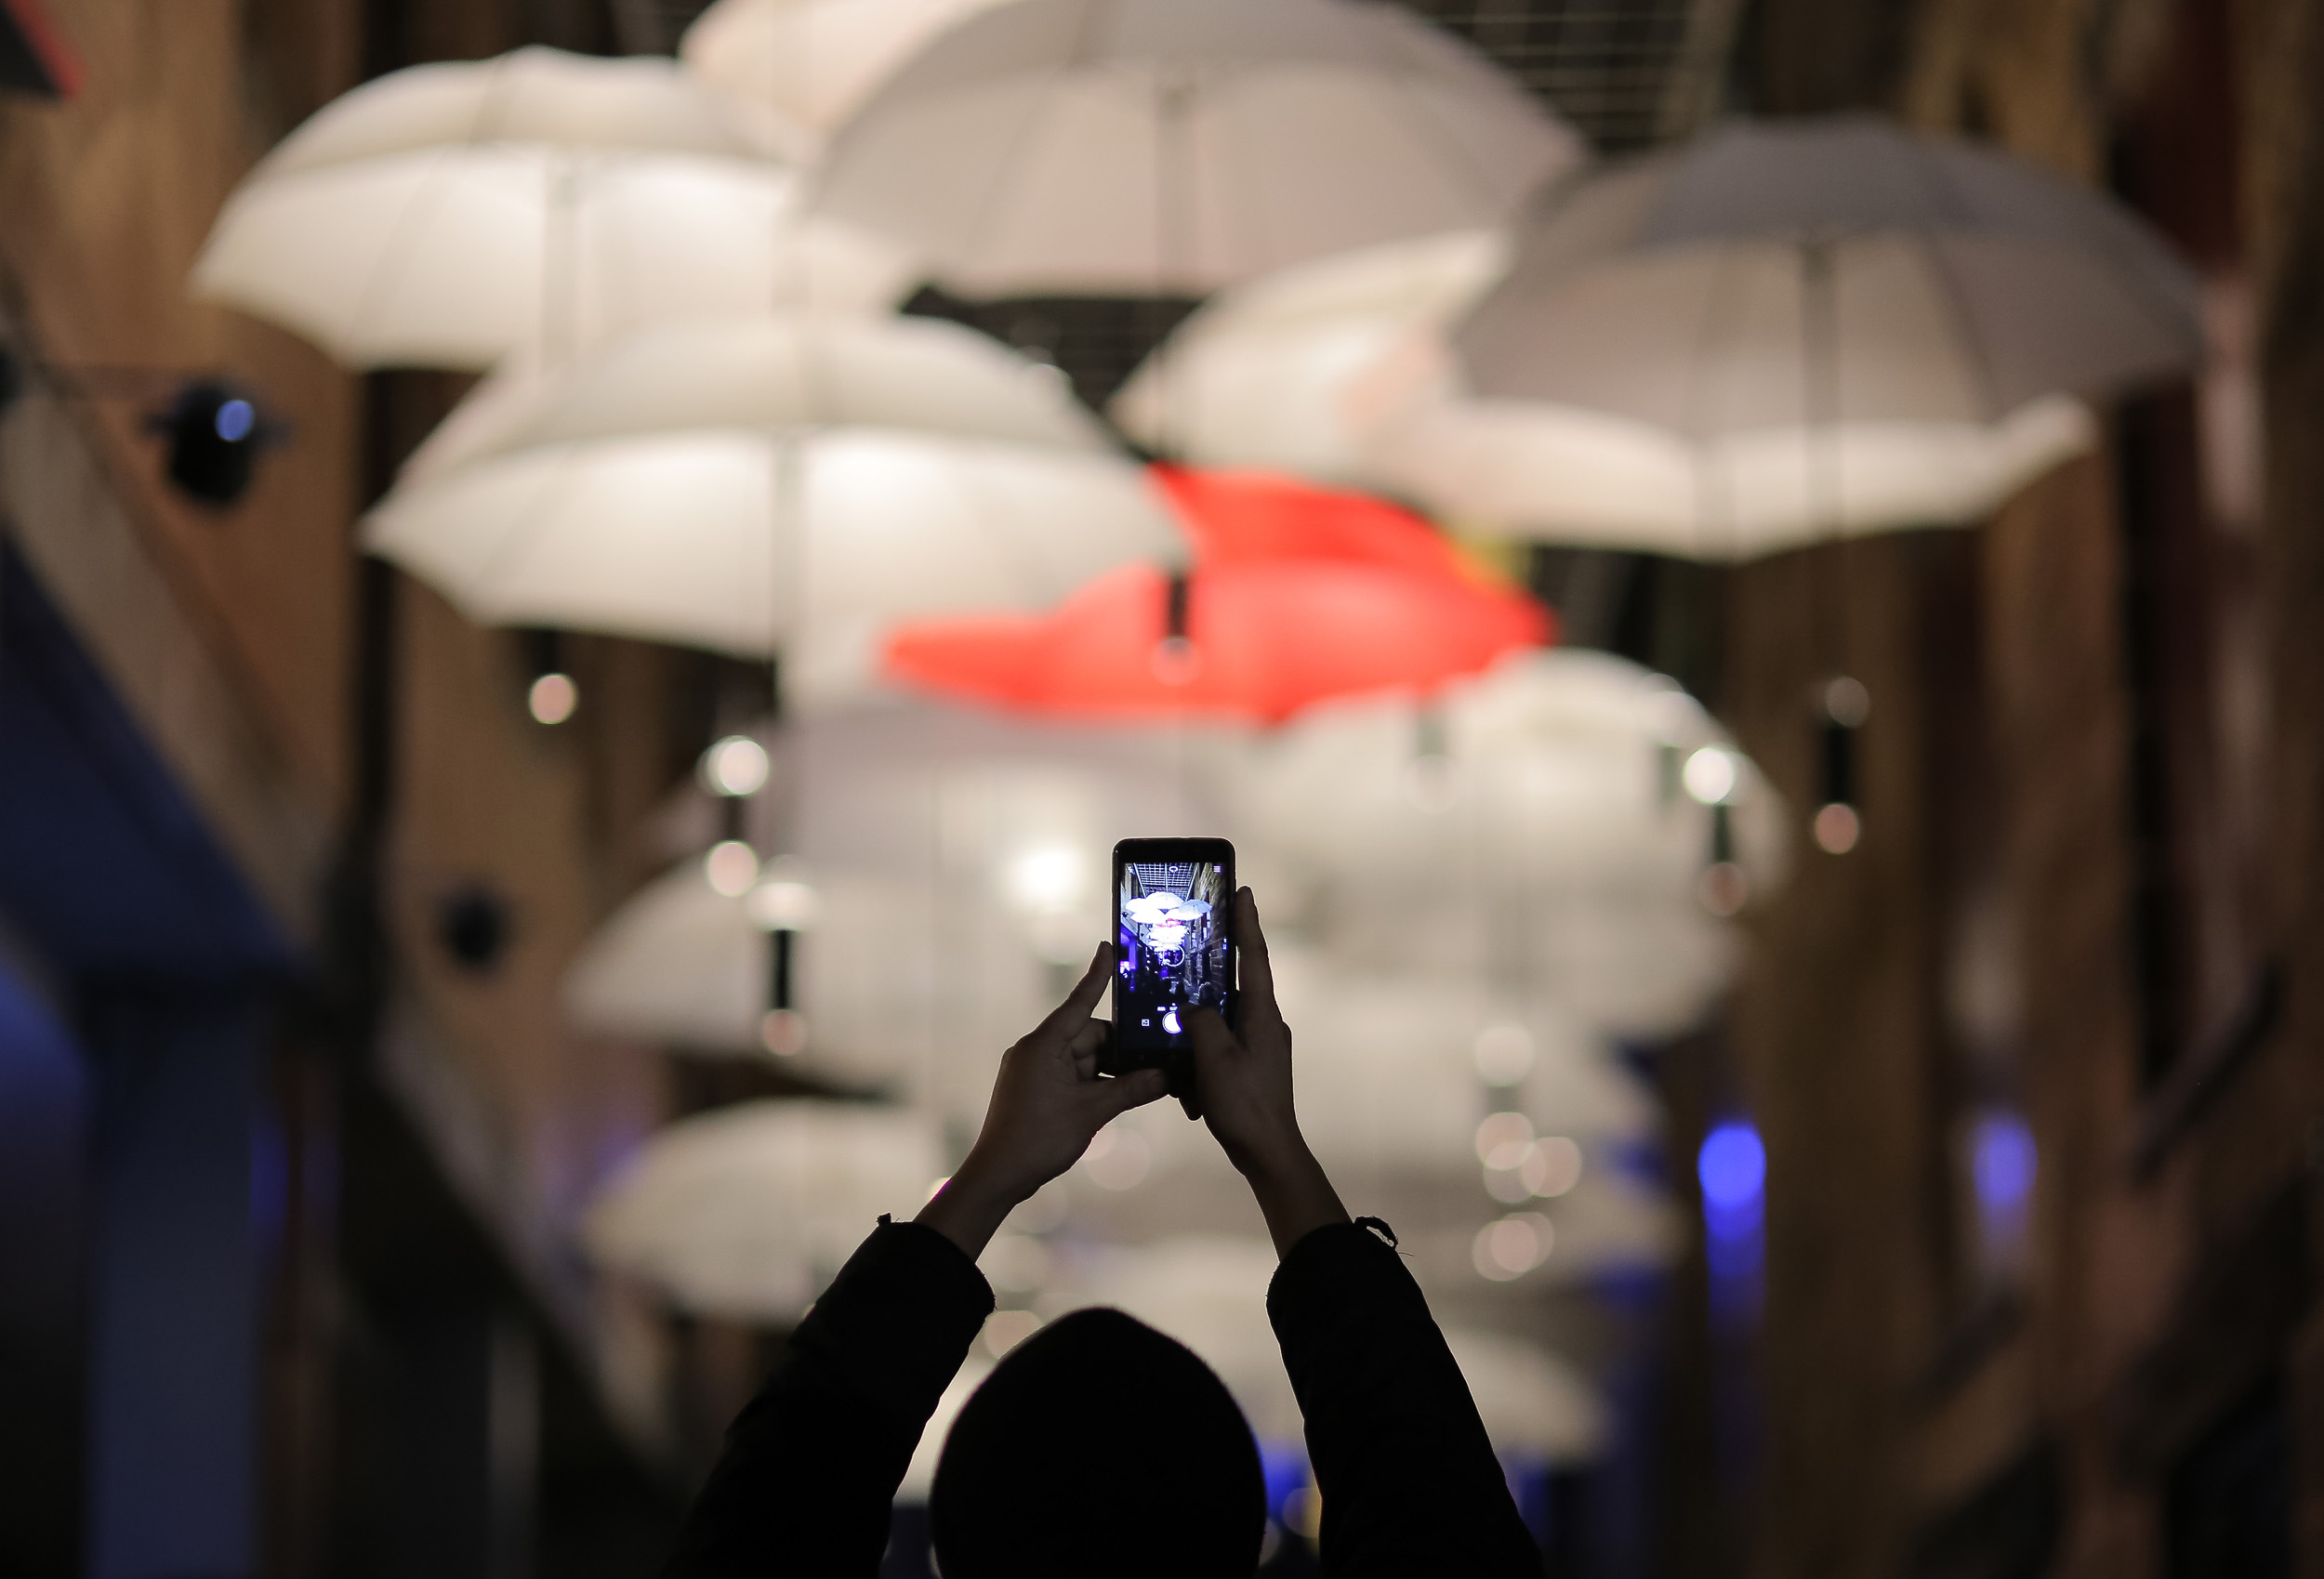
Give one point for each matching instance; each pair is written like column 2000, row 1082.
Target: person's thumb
column 1133, row 1090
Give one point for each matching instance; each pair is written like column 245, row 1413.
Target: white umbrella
column 1209, row 1292
column 813, row 60
column 960, row 863
column 1159, row 147
column 1341, row 370
column 747, row 1212
column 1278, row 372
column 1536, row 823
column 453, row 215
column 737, row 486
column 1819, row 277
column 1561, row 474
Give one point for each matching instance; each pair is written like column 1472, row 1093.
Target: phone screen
column 1174, row 954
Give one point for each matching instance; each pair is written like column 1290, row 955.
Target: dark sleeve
column 811, row 1466
column 1410, row 1486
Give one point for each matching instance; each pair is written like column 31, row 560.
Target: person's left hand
column 1047, row 1104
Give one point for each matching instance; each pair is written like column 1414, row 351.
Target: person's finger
column 1133, row 1090
column 1214, row 1044
column 1258, row 972
column 1087, row 1045
column 1085, row 996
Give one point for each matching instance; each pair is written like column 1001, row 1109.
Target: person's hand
column 1243, row 1091
column 1047, row 1104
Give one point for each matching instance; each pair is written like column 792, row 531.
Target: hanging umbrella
column 1274, row 372
column 813, row 60
column 1550, row 823
column 748, row 1211
column 737, row 486
column 1343, row 369
column 1299, row 594
column 1259, row 642
column 1168, row 147
column 1834, row 281
column 959, row 862
column 451, row 215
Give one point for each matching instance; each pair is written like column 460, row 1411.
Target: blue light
column 235, row 419
column 1733, row 1166
column 2002, row 1158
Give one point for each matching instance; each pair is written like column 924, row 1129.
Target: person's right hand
column 1243, row 1091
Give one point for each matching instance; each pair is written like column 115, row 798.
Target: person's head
column 1099, row 1446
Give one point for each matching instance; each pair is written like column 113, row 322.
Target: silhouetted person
column 1099, row 1449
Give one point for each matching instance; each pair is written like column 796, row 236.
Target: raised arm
column 809, row 1469
column 1410, row 1486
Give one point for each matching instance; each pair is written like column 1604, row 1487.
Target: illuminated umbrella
column 1837, row 282
column 1291, row 370
column 1299, row 594
column 739, row 485
column 1168, row 147
column 813, row 60
column 960, row 865
column 1259, row 641
column 451, row 215
column 1343, row 369
column 748, row 1211
column 1555, row 823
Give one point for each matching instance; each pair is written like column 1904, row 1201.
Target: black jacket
column 1409, row 1483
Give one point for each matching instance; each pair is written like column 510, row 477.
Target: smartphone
column 1174, row 950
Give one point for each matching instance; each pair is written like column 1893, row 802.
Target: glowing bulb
column 1046, row 878
column 1711, row 775
column 1504, row 1054
column 553, row 698
column 1513, row 1246
column 1006, row 1329
column 1846, row 702
column 1553, row 1168
column 1723, row 889
column 730, row 868
column 783, row 1032
column 735, row 767
column 782, row 905
column 235, row 420
column 1731, row 1166
column 1503, row 1138
column 1837, row 828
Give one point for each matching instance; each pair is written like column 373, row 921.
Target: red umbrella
column 1299, row 595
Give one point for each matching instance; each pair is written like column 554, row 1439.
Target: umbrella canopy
column 454, row 214
column 1561, row 474
column 1299, row 594
column 1169, row 147
column 1535, row 824
column 1343, row 369
column 1275, row 373
column 1835, row 280
column 746, row 1212
column 737, row 486
column 1261, row 642
column 813, row 60
column 959, row 861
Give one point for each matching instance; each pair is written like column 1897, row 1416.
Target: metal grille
column 1174, row 877
column 1627, row 74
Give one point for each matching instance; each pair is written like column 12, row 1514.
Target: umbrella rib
column 401, row 235
column 1956, row 304
column 1431, row 131
column 1007, row 168
column 553, row 491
